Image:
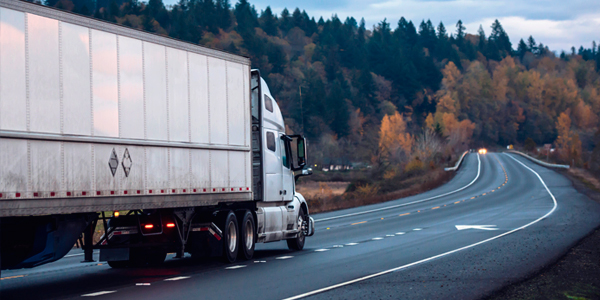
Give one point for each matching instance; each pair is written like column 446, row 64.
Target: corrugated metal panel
column 105, row 84
column 236, row 112
column 199, row 112
column 131, row 89
column 177, row 80
column 13, row 102
column 155, row 92
column 76, row 84
column 44, row 94
column 217, row 80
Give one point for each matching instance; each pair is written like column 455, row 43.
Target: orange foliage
column 394, row 142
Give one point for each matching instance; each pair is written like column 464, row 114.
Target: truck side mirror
column 298, row 152
column 301, row 150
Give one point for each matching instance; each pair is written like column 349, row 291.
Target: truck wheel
column 248, row 235
column 230, row 237
column 118, row 264
column 298, row 242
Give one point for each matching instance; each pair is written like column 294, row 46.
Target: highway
column 500, row 219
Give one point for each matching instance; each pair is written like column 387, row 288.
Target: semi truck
column 162, row 146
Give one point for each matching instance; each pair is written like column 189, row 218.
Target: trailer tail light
column 170, row 225
column 116, row 214
column 148, row 226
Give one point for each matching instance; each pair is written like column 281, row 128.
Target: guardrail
column 539, row 162
column 457, row 163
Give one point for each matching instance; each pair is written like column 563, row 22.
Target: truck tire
column 230, row 237
column 247, row 235
column 297, row 243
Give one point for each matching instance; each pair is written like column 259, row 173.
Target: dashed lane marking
column 377, row 238
column 389, row 235
column 338, row 246
column 399, row 233
column 142, row 284
column 351, row 244
column 98, row 294
column 321, row 250
column 284, row 257
column 357, row 223
column 406, row 214
column 235, row 267
column 177, row 278
column 417, row 229
column 435, row 207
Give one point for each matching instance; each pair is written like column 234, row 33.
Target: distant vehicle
column 187, row 142
column 509, row 147
column 482, row 151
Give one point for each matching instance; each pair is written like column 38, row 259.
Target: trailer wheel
column 298, row 242
column 248, row 235
column 230, row 237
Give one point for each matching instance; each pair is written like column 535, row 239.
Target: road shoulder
column 575, row 275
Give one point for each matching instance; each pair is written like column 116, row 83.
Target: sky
column 558, row 24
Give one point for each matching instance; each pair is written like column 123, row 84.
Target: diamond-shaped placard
column 126, row 162
column 113, row 162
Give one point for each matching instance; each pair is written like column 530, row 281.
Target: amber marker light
column 116, row 214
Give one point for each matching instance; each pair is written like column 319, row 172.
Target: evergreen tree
column 268, row 22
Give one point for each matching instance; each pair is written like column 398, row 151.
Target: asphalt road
column 527, row 216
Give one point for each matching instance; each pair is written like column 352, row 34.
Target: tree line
column 386, row 93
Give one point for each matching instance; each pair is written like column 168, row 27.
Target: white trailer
column 97, row 117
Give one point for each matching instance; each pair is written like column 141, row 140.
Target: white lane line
column 235, row 267
column 259, row 261
column 417, row 229
column 399, row 233
column 405, row 204
column 439, row 255
column 79, row 254
column 143, row 283
column 389, row 235
column 377, row 238
column 284, row 257
column 98, row 294
column 321, row 250
column 177, row 278
column 338, row 246
column 351, row 244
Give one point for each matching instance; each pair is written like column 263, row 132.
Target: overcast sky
column 558, row 24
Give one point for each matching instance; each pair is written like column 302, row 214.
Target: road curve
column 525, row 216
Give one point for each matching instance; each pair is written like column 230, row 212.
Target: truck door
column 272, row 166
column 287, row 176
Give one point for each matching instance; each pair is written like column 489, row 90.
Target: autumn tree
column 395, row 144
column 563, row 141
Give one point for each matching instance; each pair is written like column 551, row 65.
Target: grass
column 369, row 193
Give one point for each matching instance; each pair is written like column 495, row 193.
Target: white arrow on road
column 482, row 227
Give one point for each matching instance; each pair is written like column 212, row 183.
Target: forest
column 401, row 96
